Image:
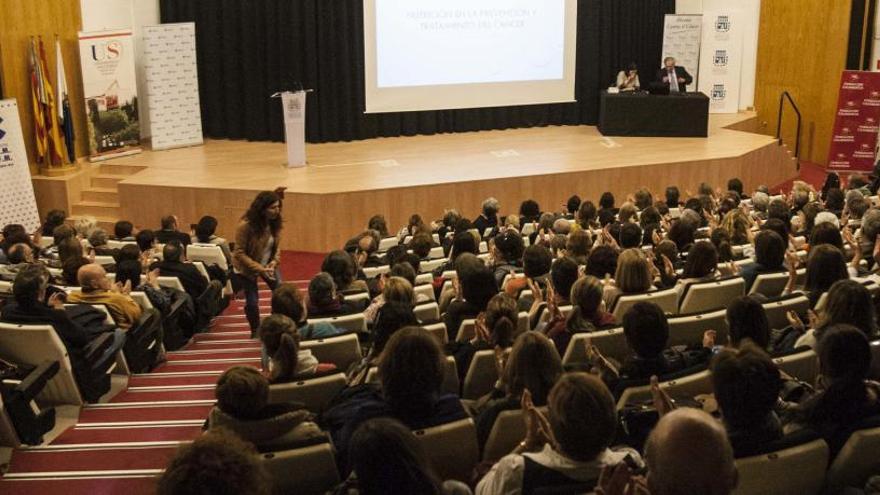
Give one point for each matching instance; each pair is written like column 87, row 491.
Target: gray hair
column 800, row 197
column 691, row 217
column 852, row 194
column 490, row 206
column 98, row 237
column 85, row 225
column 760, row 201
column 827, row 217
column 562, row 226
column 870, row 225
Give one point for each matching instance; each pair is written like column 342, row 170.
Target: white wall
column 751, row 18
column 103, row 15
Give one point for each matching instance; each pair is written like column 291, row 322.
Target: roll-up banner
column 110, row 89
column 18, row 205
column 682, row 36
column 721, row 59
column 172, row 85
column 854, row 139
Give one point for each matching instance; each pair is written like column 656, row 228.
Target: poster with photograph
column 110, row 89
column 18, row 205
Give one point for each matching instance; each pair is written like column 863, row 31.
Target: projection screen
column 450, row 54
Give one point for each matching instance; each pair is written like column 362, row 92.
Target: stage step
column 95, row 209
column 101, row 194
column 117, row 169
column 107, row 180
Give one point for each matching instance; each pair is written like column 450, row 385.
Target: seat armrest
column 95, row 349
column 36, row 380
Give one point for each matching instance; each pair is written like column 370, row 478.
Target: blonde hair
column 85, row 225
column 398, row 289
column 633, row 273
column 737, row 225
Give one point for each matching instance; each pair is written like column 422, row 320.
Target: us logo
column 719, row 92
column 721, row 58
column 722, row 24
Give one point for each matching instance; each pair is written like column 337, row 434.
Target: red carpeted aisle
column 123, row 445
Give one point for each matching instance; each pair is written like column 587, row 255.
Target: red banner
column 854, row 141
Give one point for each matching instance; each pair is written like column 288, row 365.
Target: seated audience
column 123, row 230
column 394, row 288
column 633, row 276
column 587, row 315
column 536, row 262
column 243, row 408
column 747, row 321
column 205, row 233
column 98, row 241
column 54, row 218
column 475, row 288
column 507, row 253
column 701, row 265
column 746, row 384
column 172, row 265
column 849, row 302
column 288, row 300
column 386, row 457
column 533, row 365
column 494, row 328
column 602, row 262
column 18, row 257
column 825, row 266
column 216, row 463
column 488, row 219
column 567, row 448
column 284, row 359
column 341, row 266
column 845, row 396
column 769, row 257
column 97, row 289
column 411, row 370
column 169, row 232
column 324, row 302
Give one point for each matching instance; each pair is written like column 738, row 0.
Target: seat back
column 507, row 431
column 34, row 344
column 776, row 310
column 687, row 330
column 342, row 350
column 450, row 377
column 200, row 266
column 208, row 254
column 355, row 322
column 5, row 287
column 104, row 260
column 424, row 277
column 706, row 296
column 856, row 461
column 875, row 359
column 438, row 330
column 803, row 365
column 426, row 290
column 427, row 312
column 375, row 271
column 387, row 243
column 799, row 469
column 310, row 470
column 685, row 386
column 770, row 284
column 611, row 343
column 452, row 448
column 114, row 244
column 315, row 393
column 666, row 299
column 428, row 266
column 481, row 375
column 172, row 282
column 466, row 330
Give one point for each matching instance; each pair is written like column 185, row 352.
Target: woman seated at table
column 628, row 79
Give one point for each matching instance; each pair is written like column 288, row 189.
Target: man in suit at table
column 676, row 78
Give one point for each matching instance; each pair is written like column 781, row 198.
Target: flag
column 56, row 148
column 40, row 133
column 65, row 121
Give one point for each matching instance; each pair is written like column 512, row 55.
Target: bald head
column 91, row 276
column 688, row 452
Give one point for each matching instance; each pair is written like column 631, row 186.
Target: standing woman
column 256, row 251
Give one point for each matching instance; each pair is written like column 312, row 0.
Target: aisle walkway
column 121, row 446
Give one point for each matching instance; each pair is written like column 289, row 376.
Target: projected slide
column 447, row 54
column 462, row 41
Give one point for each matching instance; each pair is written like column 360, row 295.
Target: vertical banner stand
column 294, row 107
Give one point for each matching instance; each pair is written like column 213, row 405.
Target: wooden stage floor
column 345, row 183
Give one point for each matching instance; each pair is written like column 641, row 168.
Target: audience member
column 284, row 359
column 169, row 232
column 97, row 289
column 288, row 300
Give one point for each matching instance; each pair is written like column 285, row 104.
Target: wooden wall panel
column 21, row 19
column 322, row 222
column 802, row 49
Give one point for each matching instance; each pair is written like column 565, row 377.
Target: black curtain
column 249, row 49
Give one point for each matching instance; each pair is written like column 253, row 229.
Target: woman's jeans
column 252, row 297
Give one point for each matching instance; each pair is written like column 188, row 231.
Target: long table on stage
column 646, row 115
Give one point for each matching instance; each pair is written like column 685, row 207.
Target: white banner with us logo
column 721, row 60
column 681, row 40
column 295, row 127
column 17, row 201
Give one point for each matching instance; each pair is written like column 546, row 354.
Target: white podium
column 294, row 108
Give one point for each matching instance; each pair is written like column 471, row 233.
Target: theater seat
column 714, row 294
column 508, row 430
column 666, row 299
column 315, row 393
column 355, row 322
column 795, row 470
column 481, row 375
column 452, row 448
column 776, row 310
column 342, row 350
column 307, row 471
column 209, row 254
column 427, row 312
column 770, row 284
column 438, row 330
column 688, row 330
column 33, row 345
column 450, row 377
column 611, row 343
column 803, row 365
column 689, row 385
column 856, row 461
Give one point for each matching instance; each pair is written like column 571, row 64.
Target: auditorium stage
column 346, row 183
